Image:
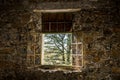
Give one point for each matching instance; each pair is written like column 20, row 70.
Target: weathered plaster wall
column 97, row 22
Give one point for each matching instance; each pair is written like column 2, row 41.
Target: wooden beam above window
column 57, row 10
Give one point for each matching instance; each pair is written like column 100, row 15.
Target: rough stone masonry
column 97, row 23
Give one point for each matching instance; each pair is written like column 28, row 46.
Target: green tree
column 60, row 44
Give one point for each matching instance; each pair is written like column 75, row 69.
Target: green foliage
column 57, row 49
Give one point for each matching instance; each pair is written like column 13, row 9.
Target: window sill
column 54, row 68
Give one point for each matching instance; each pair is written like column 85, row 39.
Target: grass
column 56, row 59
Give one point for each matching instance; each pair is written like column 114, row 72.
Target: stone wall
column 97, row 23
column 38, row 75
column 101, row 39
column 13, row 37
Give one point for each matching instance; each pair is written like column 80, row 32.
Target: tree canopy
column 58, row 44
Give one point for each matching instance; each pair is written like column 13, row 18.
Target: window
column 57, row 39
column 60, row 45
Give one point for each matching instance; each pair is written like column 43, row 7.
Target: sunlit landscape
column 57, row 49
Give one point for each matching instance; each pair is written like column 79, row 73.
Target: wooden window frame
column 73, row 67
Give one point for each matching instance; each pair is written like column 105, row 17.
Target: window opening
column 57, row 39
column 57, row 49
